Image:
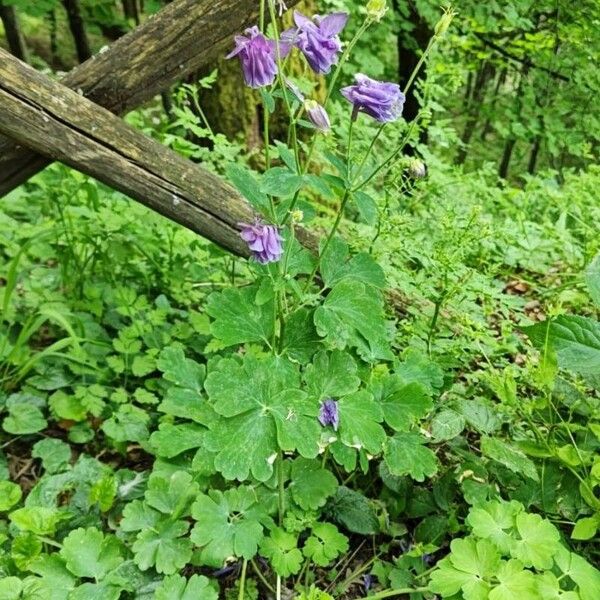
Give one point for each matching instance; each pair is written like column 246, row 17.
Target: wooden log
column 179, row 40
column 58, row 123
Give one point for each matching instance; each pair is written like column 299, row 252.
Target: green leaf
column 54, row 453
column 301, row 340
column 176, row 587
column 360, row 418
column 585, row 528
column 325, row 544
column 128, row 423
column 352, row 315
column 367, row 207
column 171, row 495
column 592, row 278
column 576, row 341
column 509, row 456
column 467, row 568
column 406, row 454
column 311, row 485
column 331, row 375
column 25, row 549
column 263, row 411
column 540, row 541
column 353, row 511
column 180, row 370
column 419, row 368
column 281, row 548
column 171, row 440
column 237, row 317
column 403, row 403
column 228, row 524
column 163, row 547
column 142, row 365
column 515, row 582
column 337, row 265
column 10, row 494
column 24, row 419
column 103, row 492
column 247, row 184
column 446, row 425
column 40, row 520
column 88, row 553
column 10, row 588
column 137, row 516
column 581, row 572
column 496, row 521
column 280, row 182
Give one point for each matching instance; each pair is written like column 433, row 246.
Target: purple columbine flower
column 318, row 39
column 317, row 115
column 263, row 240
column 379, row 99
column 329, row 414
column 258, row 56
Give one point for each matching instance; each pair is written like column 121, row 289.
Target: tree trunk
column 474, row 110
column 509, row 145
column 77, row 27
column 12, row 30
column 130, row 10
column 533, row 156
column 488, row 121
column 53, row 35
column 410, row 50
column 179, row 40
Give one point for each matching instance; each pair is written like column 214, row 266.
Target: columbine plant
column 294, row 415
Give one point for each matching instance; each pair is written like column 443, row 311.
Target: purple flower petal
column 318, row 39
column 333, row 24
column 329, row 414
column 264, row 241
column 381, row 100
column 258, row 57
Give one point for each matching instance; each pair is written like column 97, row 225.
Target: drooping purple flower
column 381, row 100
column 329, row 414
column 368, row 581
column 317, row 115
column 318, row 39
column 264, row 241
column 258, row 56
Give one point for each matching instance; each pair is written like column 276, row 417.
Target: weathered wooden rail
column 61, row 125
column 183, row 37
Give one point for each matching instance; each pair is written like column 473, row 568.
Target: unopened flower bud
column 443, row 24
column 376, row 9
column 297, row 216
column 317, row 115
column 417, row 169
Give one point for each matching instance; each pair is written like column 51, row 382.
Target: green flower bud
column 443, row 24
column 376, row 9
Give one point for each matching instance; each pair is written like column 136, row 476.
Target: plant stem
column 280, row 484
column 261, row 577
column 423, row 58
column 243, row 580
column 399, row 592
column 328, row 240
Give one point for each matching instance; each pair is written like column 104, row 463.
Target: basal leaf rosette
column 262, row 411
